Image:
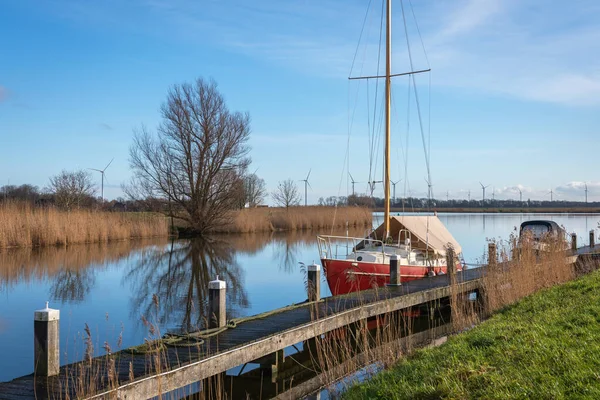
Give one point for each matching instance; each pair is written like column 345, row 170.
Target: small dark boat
column 541, row 231
column 539, row 228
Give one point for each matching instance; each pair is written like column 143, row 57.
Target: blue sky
column 514, row 98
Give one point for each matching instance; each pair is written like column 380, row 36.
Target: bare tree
column 194, row 161
column 72, row 189
column 286, row 194
column 255, row 190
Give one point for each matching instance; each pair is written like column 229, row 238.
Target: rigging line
column 419, row 31
column 360, row 37
column 396, row 115
column 425, row 149
column 420, row 119
column 429, row 120
column 407, row 137
column 372, row 134
column 429, row 88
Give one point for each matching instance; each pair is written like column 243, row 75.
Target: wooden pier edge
column 153, row 385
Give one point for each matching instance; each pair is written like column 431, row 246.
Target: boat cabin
column 538, row 229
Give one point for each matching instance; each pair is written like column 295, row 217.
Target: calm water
column 110, row 287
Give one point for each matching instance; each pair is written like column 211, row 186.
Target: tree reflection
column 285, row 254
column 179, row 276
column 72, row 285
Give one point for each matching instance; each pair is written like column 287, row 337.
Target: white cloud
column 576, row 189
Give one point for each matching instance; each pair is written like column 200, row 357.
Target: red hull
column 345, row 276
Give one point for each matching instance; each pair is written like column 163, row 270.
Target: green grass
column 547, row 346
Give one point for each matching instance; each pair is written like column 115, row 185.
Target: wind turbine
column 493, row 193
column 306, row 185
column 469, row 195
column 394, row 186
column 102, row 172
column 551, row 192
column 353, row 182
column 520, row 195
column 483, row 188
column 447, row 195
column 586, row 191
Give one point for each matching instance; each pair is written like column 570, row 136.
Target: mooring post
column 592, row 238
column 450, row 264
column 276, row 366
column 573, row 241
column 492, row 255
column 314, row 282
column 217, row 303
column 46, row 341
column 395, row 277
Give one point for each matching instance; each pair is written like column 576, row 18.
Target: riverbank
column 545, row 346
column 523, row 210
column 25, row 226
column 276, row 219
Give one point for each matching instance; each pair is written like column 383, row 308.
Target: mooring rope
column 197, row 338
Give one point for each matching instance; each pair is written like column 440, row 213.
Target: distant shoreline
column 502, row 210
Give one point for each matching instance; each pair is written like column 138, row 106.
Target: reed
column 522, row 269
column 296, row 218
column 24, row 226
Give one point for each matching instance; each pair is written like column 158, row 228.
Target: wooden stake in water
column 573, row 241
column 395, row 277
column 313, row 282
column 217, row 303
column 46, row 341
column 592, row 244
column 492, row 255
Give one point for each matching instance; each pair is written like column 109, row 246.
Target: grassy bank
column 25, row 226
column 271, row 219
column 545, row 346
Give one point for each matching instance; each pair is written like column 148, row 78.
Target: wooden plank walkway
column 181, row 366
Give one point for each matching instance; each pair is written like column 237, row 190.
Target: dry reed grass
column 24, row 226
column 296, row 218
column 520, row 269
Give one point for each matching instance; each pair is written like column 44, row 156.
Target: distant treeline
column 423, row 203
column 43, row 198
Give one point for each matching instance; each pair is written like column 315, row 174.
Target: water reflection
column 179, row 276
column 71, row 270
column 72, row 285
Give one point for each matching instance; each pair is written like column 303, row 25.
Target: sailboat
column 419, row 242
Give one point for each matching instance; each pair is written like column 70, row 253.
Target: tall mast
column 388, row 100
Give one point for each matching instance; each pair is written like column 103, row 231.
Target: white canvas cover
column 436, row 239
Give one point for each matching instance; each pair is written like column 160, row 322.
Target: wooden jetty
column 143, row 375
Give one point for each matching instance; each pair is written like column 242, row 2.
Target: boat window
column 359, row 258
column 537, row 230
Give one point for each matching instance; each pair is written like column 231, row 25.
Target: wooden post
column 395, row 277
column 217, row 303
column 492, row 255
column 450, row 264
column 46, row 341
column 573, row 241
column 592, row 238
column 314, row 282
column 277, row 364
